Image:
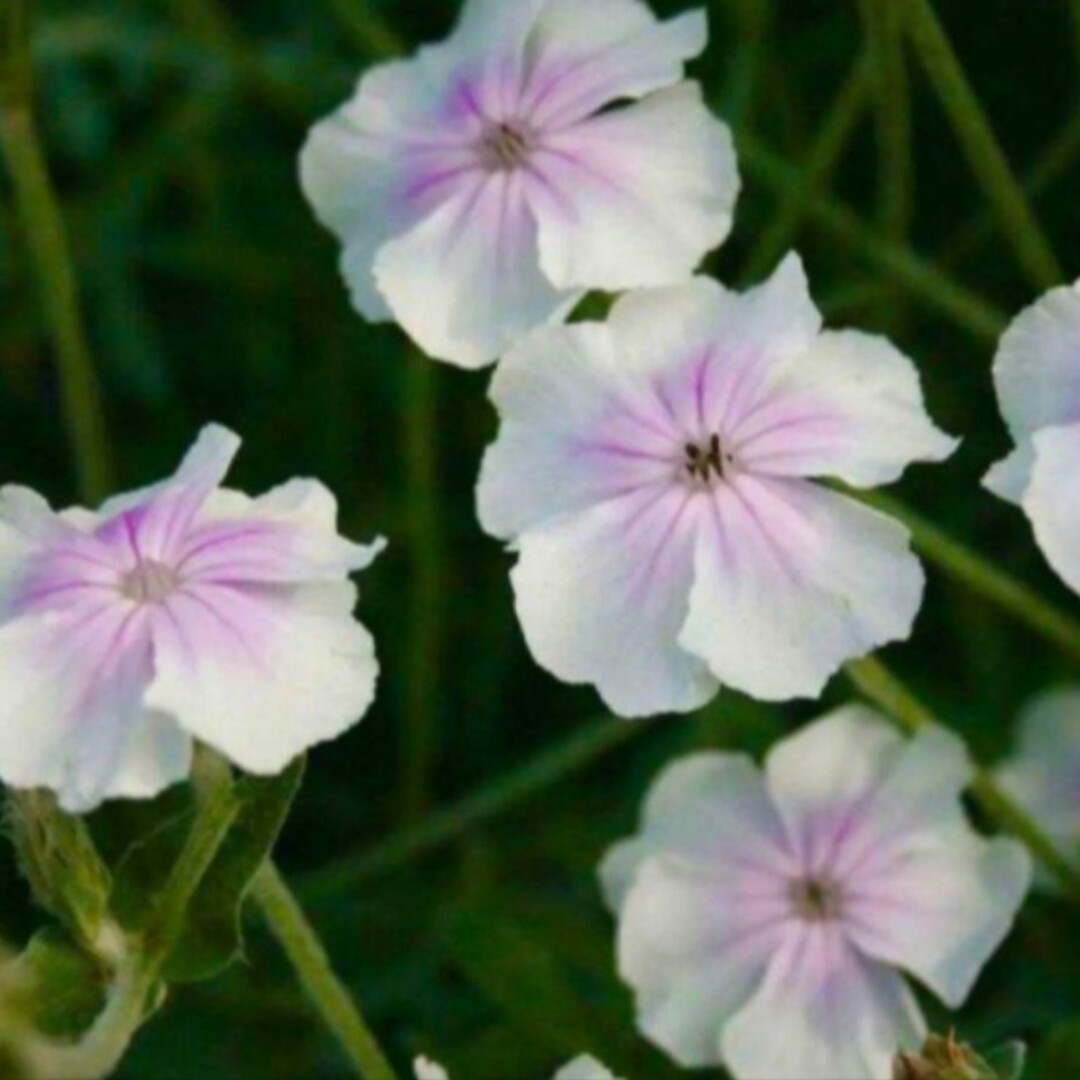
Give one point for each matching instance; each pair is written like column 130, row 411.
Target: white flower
column 653, row 474
column 483, row 186
column 1037, row 374
column 581, row 1068
column 1043, row 776
column 764, row 917
column 183, row 611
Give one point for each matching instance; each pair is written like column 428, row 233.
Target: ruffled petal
column 584, row 57
column 72, row 712
column 574, row 431
column 262, row 673
column 634, row 197
column 791, row 581
column 851, row 407
column 823, row 1013
column 601, row 597
column 694, row 945
column 1051, row 501
column 466, row 282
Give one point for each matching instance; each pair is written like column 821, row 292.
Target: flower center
column 505, row 147
column 817, row 899
column 707, row 463
column 149, row 583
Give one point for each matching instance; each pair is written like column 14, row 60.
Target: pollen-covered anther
column 150, row 582
column 708, row 462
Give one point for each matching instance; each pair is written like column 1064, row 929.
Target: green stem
column 934, row 287
column 312, row 966
column 421, row 431
column 367, row 28
column 884, row 21
column 578, row 752
column 984, row 154
column 880, row 685
column 836, row 130
column 983, row 576
column 754, row 18
column 47, row 243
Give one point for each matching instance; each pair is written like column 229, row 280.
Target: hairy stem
column 312, row 966
column 50, row 254
column 881, row 686
column 984, row 154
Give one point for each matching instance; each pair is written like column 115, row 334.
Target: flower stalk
column 47, row 243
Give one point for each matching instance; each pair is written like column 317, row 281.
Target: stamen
column 702, row 461
column 505, row 147
column 816, row 899
column 149, row 583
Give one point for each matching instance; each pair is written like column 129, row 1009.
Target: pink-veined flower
column 180, row 612
column 1037, row 374
column 654, row 476
column 1043, row 774
column 481, row 187
column 766, row 916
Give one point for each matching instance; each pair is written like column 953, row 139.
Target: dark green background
column 173, row 130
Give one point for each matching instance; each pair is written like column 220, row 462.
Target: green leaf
column 212, row 938
column 1059, row 1055
column 56, row 985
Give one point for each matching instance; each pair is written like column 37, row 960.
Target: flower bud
column 942, row 1059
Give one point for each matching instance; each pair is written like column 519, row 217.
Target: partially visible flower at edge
column 182, row 611
column 1037, row 375
column 765, row 916
column 483, row 186
column 1043, row 774
column 654, row 475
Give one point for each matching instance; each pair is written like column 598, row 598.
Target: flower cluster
column 675, row 485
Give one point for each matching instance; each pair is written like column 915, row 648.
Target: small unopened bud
column 942, row 1058
column 60, row 861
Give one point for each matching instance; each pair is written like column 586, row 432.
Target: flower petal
column 1044, row 773
column 262, row 673
column 465, row 283
column 574, row 431
column 708, row 808
column 587, row 56
column 72, row 716
column 851, row 408
column 694, row 945
column 286, row 536
column 791, row 581
column 584, row 1068
column 1051, row 501
column 823, row 1013
column 634, row 197
column 601, row 597
column 821, row 777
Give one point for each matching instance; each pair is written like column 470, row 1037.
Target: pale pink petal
column 72, row 714
column 585, row 57
column 1051, row 501
column 466, row 282
column 850, row 407
column 286, row 536
column 634, row 197
column 792, row 581
column 711, row 809
column 694, row 944
column 601, row 598
column 574, row 432
column 823, row 1013
column 822, row 777
column 585, row 1067
column 262, row 673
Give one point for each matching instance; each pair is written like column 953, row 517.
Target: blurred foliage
column 173, row 128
